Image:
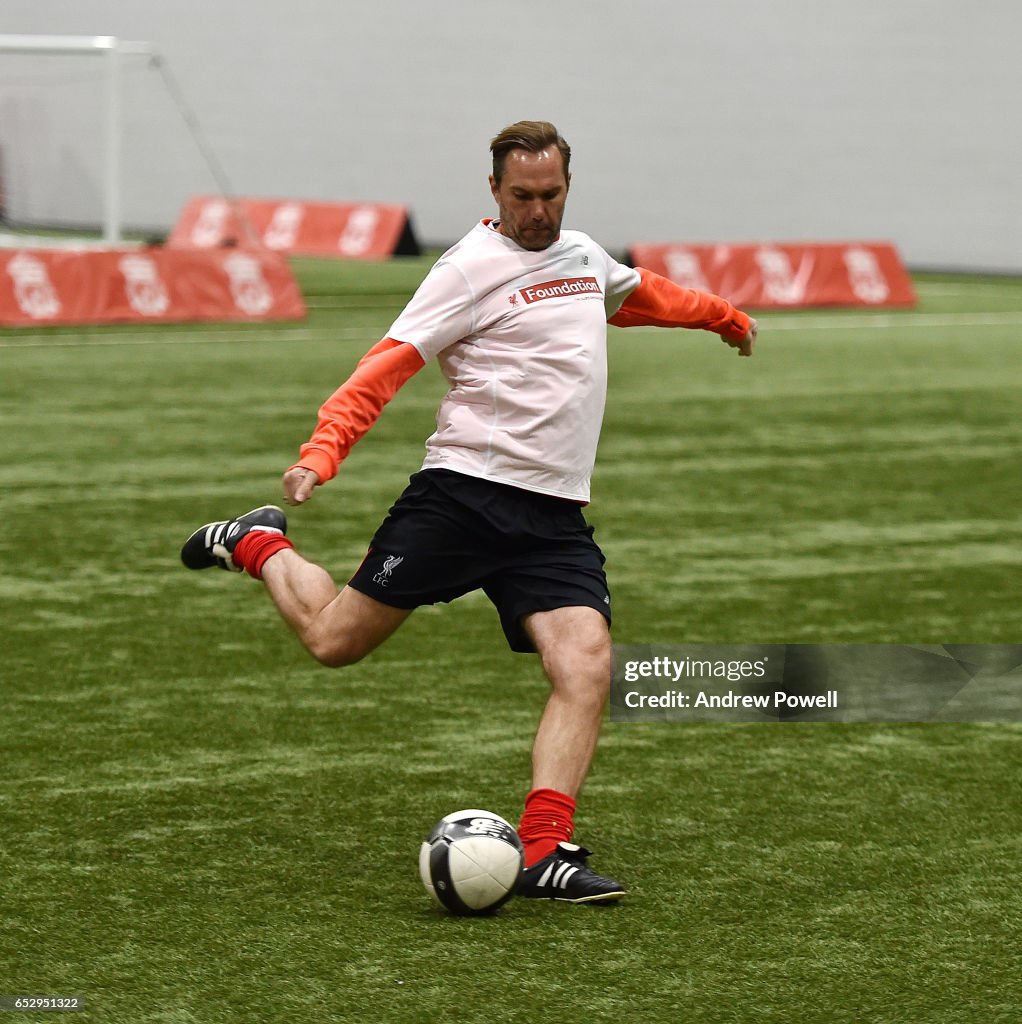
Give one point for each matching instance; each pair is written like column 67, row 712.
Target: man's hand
column 298, row 484
column 745, row 345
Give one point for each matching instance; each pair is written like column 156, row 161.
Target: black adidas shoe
column 563, row 875
column 213, row 543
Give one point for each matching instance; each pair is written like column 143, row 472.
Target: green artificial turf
column 199, row 824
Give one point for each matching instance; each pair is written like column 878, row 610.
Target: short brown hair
column 533, row 136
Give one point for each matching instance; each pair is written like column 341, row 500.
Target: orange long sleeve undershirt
column 346, row 416
column 659, row 302
column 354, row 407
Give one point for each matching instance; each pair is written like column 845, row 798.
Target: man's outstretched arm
column 348, row 413
column 659, row 302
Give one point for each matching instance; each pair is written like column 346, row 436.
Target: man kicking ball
column 516, row 313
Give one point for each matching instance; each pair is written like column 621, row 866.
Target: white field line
column 885, row 321
column 935, row 288
column 385, row 299
column 183, row 335
column 208, row 336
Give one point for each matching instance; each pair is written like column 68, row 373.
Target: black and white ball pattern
column 471, row 862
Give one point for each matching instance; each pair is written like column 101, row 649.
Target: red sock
column 547, row 821
column 255, row 548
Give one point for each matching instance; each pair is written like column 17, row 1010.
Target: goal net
column 93, row 140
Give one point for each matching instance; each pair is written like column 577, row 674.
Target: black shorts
column 449, row 534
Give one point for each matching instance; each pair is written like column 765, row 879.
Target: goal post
column 112, row 50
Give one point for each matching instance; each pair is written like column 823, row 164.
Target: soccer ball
column 471, row 862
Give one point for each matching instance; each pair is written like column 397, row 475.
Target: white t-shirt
column 522, row 339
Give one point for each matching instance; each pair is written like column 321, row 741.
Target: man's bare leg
column 337, row 627
column 574, row 646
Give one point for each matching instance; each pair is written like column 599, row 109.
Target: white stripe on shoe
column 564, row 872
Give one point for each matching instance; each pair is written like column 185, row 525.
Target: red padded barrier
column 49, row 286
column 786, row 275
column 368, row 231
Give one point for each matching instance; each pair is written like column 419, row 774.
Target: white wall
column 735, row 120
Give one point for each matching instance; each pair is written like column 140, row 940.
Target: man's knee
column 584, row 655
column 351, row 627
column 582, row 668
column 336, row 651
column 577, row 661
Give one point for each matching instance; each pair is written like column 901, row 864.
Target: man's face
column 530, row 197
